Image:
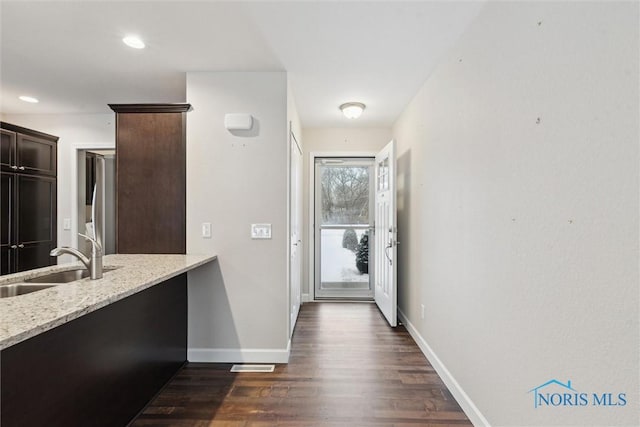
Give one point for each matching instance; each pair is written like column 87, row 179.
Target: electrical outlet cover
column 260, row 231
column 206, row 230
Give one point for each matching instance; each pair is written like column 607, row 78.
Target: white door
column 295, row 241
column 385, row 248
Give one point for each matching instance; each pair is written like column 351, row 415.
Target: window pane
column 345, row 195
column 344, row 259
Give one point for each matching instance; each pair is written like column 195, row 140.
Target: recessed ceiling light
column 30, row 99
column 352, row 110
column 134, row 42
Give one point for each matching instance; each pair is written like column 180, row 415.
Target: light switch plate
column 260, row 231
column 206, row 230
column 66, row 224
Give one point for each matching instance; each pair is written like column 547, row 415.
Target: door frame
column 311, row 209
column 347, row 294
column 291, row 140
column 75, row 148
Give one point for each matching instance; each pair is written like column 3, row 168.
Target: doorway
column 343, row 212
column 86, row 178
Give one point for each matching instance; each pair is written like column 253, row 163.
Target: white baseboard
column 467, row 405
column 306, row 298
column 232, row 355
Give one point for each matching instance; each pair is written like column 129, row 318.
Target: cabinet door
column 151, row 179
column 33, row 255
column 6, row 232
column 35, row 155
column 35, row 221
column 6, row 260
column 7, row 149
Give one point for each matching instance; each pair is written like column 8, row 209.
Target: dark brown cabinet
column 7, row 149
column 6, row 233
column 28, row 196
column 100, row 369
column 151, row 178
column 28, row 151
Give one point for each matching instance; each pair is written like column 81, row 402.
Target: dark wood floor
column 347, row 368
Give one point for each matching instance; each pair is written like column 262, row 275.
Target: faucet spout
column 93, row 264
column 71, row 251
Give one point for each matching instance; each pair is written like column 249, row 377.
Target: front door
column 386, row 230
column 343, row 223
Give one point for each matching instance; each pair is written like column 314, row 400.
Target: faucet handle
column 94, row 242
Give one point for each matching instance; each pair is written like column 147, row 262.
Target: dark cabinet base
column 100, row 369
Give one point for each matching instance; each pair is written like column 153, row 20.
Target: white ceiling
column 70, row 55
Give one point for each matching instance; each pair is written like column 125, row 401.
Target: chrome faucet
column 93, row 264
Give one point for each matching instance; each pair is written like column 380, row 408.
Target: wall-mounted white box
column 260, row 231
column 237, row 121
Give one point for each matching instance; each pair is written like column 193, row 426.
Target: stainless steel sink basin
column 65, row 276
column 45, row 281
column 16, row 289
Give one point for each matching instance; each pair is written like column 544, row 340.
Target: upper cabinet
column 28, row 151
column 7, row 149
column 151, row 178
column 28, row 198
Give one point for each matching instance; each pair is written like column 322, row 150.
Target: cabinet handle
column 14, row 167
column 21, row 246
column 14, row 247
column 21, row 168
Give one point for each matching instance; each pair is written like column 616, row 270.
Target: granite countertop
column 25, row 316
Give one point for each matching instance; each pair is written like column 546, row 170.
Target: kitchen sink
column 46, row 281
column 16, row 289
column 65, row 276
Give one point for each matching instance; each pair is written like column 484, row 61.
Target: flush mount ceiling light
column 352, row 110
column 134, row 42
column 30, row 99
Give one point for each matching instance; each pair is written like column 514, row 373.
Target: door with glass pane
column 385, row 254
column 344, row 206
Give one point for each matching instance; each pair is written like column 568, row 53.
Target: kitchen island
column 94, row 352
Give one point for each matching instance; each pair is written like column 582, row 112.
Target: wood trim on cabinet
column 27, row 131
column 151, row 108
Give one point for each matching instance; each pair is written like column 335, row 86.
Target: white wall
column 518, row 210
column 238, row 309
column 335, row 140
column 72, row 129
